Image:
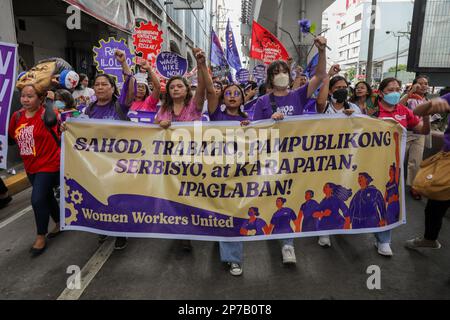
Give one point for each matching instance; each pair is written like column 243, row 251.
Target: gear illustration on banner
column 73, row 214
column 76, row 197
column 66, row 191
column 104, row 57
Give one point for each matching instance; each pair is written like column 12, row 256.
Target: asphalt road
column 159, row 269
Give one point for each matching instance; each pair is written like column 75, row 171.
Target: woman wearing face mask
column 179, row 104
column 415, row 143
column 333, row 95
column 65, row 104
column 146, row 100
column 83, row 95
column 389, row 107
column 40, row 151
column 282, row 101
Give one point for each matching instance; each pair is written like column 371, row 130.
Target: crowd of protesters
column 281, row 96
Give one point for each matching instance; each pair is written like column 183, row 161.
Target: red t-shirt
column 37, row 147
column 401, row 114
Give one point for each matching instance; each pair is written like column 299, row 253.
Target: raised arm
column 131, row 92
column 199, row 97
column 322, row 98
column 321, row 73
column 212, row 98
column 433, row 106
column 153, row 78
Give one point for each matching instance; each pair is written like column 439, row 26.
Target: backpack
column 54, row 135
column 117, row 108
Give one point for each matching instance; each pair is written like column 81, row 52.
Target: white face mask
column 281, row 80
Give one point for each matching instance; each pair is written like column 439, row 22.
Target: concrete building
column 351, row 40
column 41, row 31
column 281, row 18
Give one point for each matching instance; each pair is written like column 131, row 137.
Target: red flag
column 265, row 46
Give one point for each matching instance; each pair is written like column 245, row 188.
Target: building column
column 7, row 26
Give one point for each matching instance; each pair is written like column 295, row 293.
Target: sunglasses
column 217, row 86
column 232, row 94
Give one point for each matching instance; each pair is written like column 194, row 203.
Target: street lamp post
column 398, row 35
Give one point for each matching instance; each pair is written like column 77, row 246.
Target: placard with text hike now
column 303, row 176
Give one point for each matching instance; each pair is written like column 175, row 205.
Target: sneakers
column 121, row 243
column 384, row 249
column 324, row 241
column 288, row 253
column 418, row 243
column 235, row 269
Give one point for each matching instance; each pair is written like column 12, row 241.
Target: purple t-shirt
column 310, row 106
column 258, row 225
column 291, row 105
column 281, row 220
column 220, row 115
column 109, row 111
column 447, row 132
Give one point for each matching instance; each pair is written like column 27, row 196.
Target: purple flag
column 232, row 52
column 8, row 56
column 217, row 56
column 310, row 70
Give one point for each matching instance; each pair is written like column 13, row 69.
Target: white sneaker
column 324, row 241
column 235, row 269
column 288, row 253
column 384, row 249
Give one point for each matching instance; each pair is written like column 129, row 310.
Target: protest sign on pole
column 259, row 73
column 242, row 76
column 105, row 60
column 170, row 64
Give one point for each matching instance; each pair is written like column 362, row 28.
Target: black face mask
column 340, row 95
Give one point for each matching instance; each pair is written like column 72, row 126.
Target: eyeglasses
column 232, row 94
column 217, row 86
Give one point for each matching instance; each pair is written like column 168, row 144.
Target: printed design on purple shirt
column 290, row 105
column 253, row 226
column 222, row 115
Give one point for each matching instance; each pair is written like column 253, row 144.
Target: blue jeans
column 383, row 237
column 43, row 199
column 287, row 242
column 231, row 251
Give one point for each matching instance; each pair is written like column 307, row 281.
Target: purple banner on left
column 8, row 56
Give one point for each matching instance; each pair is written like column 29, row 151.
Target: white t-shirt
column 331, row 110
column 87, row 93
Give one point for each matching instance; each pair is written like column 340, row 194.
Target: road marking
column 90, row 270
column 15, row 217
